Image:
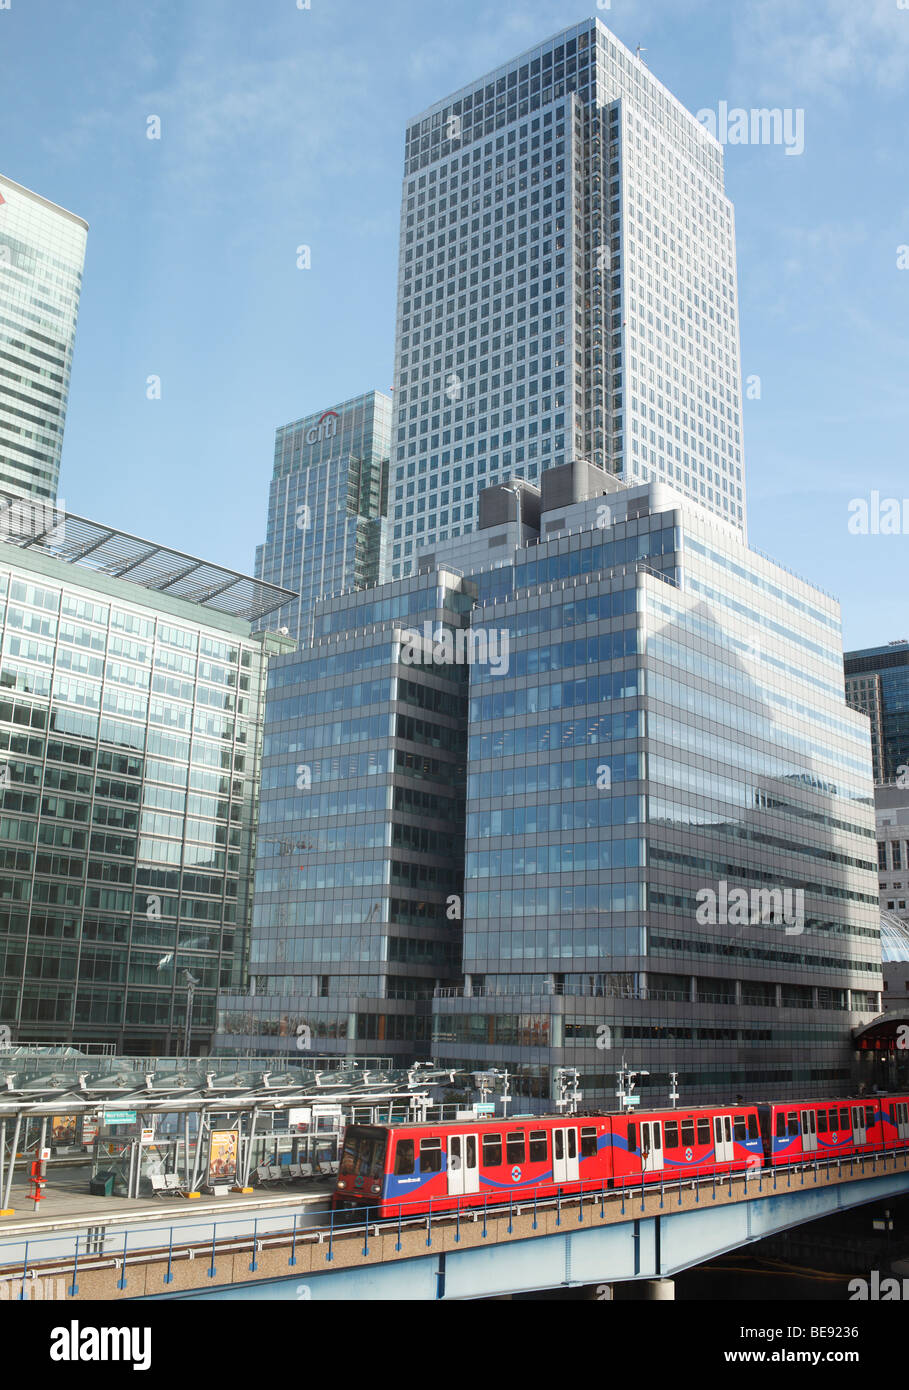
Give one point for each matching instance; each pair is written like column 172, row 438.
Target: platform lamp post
column 190, row 982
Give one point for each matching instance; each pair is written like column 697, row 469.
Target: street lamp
column 190, row 982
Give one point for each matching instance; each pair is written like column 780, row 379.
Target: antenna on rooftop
column 637, row 53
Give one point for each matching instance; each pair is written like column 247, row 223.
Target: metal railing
column 120, row 1249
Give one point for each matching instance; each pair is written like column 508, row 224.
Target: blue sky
column 283, row 126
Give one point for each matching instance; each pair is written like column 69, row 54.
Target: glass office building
column 669, row 848
column 131, row 692
column 877, row 682
column 567, row 289
column 670, row 851
column 326, row 530
column 359, row 874
column 42, row 250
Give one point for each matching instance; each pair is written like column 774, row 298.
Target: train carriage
column 411, row 1168
column 825, row 1128
column 405, row 1168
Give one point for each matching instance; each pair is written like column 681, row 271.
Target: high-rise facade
column 359, row 874
column 42, row 250
column 671, row 738
column 567, row 289
column 877, row 683
column 663, row 732
column 326, row 529
column 131, row 694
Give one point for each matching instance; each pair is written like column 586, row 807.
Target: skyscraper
column 326, row 529
column 567, row 289
column 877, row 683
column 42, row 250
column 661, row 737
column 361, row 826
column 131, row 698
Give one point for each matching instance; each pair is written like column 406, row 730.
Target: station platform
column 69, row 1206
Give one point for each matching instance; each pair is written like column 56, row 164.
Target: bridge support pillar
column 657, row 1290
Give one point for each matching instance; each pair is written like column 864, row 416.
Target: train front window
column 363, row 1155
column 404, row 1157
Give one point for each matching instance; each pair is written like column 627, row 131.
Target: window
column 672, row 1134
column 703, row 1131
column 573, row 1143
column 753, row 1131
column 471, row 1147
column 687, row 1133
column 430, row 1155
column 781, row 1124
column 589, row 1142
column 739, row 1129
column 492, row 1150
column 538, row 1147
column 793, row 1128
column 822, row 1122
column 632, row 1139
column 404, row 1156
column 844, row 1119
column 514, row 1147
column 870, row 1118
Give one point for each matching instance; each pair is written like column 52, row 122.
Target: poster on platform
column 222, row 1156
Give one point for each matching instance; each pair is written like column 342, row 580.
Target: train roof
column 715, row 1108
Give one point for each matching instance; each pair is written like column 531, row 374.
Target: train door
column 722, row 1138
column 463, row 1165
column 809, row 1131
column 859, row 1135
column 565, row 1155
column 651, row 1145
column 902, row 1119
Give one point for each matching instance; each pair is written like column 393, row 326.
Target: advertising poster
column 222, row 1156
column 63, row 1130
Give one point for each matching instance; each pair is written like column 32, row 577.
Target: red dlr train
column 404, row 1169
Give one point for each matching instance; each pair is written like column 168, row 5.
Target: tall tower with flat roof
column 567, row 289
column 42, row 251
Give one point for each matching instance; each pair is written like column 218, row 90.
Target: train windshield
column 363, row 1154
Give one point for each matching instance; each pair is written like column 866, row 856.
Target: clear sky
column 283, row 126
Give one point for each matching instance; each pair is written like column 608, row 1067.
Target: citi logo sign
column 75, row 1343
column 327, row 428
